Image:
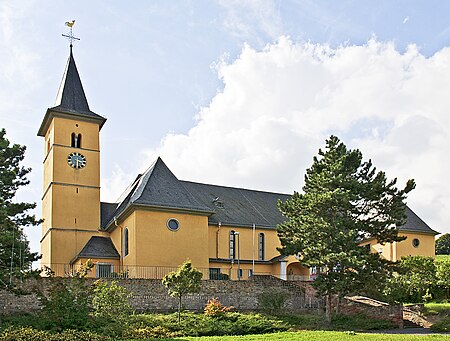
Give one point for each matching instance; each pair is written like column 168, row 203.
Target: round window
column 173, row 224
column 416, row 242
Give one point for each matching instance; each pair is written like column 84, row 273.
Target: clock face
column 76, row 160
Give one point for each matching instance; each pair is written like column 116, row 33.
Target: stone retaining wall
column 151, row 295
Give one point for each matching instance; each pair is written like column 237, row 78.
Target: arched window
column 125, row 242
column 232, row 245
column 76, row 141
column 261, row 246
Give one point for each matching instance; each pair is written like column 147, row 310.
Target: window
column 104, row 270
column 261, row 246
column 214, row 273
column 76, row 140
column 250, row 273
column 125, row 242
column 416, row 242
column 173, row 224
column 239, row 273
column 232, row 245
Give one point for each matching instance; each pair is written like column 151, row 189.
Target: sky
column 239, row 93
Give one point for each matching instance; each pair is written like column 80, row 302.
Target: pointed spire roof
column 71, row 99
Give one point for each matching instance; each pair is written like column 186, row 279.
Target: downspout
column 121, row 243
column 217, row 239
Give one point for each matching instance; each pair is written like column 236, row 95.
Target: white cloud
column 279, row 104
column 248, row 19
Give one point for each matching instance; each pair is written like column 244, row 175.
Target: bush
column 67, row 306
column 110, row 301
column 443, row 325
column 272, row 301
column 215, row 309
column 30, row 334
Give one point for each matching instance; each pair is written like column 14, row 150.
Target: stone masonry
column 149, row 295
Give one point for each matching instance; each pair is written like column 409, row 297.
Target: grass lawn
column 433, row 308
column 317, row 335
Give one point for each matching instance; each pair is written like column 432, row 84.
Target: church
column 160, row 221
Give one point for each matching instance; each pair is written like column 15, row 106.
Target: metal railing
column 107, row 270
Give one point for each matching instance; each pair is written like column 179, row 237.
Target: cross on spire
column 70, row 36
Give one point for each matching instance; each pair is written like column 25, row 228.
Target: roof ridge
column 238, row 188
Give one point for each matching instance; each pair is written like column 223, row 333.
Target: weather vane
column 70, row 35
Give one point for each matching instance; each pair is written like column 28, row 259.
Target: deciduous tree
column 185, row 280
column 443, row 245
column 15, row 255
column 344, row 201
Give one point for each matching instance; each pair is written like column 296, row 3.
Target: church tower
column 71, row 193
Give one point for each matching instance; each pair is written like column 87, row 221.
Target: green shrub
column 442, row 325
column 67, row 306
column 25, row 334
column 31, row 334
column 150, row 332
column 110, row 301
column 272, row 301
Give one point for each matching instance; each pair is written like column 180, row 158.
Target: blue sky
column 239, row 93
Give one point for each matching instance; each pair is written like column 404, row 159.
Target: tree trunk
column 338, row 303
column 179, row 309
column 328, row 308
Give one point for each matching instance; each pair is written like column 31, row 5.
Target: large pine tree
column 15, row 255
column 344, row 201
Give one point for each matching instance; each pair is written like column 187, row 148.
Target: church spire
column 71, row 100
column 71, row 94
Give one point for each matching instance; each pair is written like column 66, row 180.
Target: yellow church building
column 160, row 221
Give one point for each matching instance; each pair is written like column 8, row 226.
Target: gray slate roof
column 158, row 187
column 241, row 207
column 71, row 99
column 99, row 247
column 415, row 224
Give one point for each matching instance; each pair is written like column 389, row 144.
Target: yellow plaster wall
column 66, row 244
column 75, row 210
column 246, row 242
column 396, row 250
column 71, row 199
column 156, row 245
column 64, row 127
column 425, row 248
column 93, row 273
column 232, row 269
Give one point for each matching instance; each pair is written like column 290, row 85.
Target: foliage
column 67, row 306
column 30, row 334
column 443, row 325
column 443, row 245
column 185, row 280
column 110, row 301
column 272, row 301
column 15, row 253
column 413, row 280
column 345, row 200
column 214, row 308
column 443, row 277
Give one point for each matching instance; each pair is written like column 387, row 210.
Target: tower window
column 76, row 140
column 125, row 242
column 232, row 245
column 261, row 246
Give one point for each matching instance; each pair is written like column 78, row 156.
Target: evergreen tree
column 443, row 245
column 345, row 201
column 15, row 255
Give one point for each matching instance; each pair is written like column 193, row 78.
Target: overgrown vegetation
column 272, row 301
